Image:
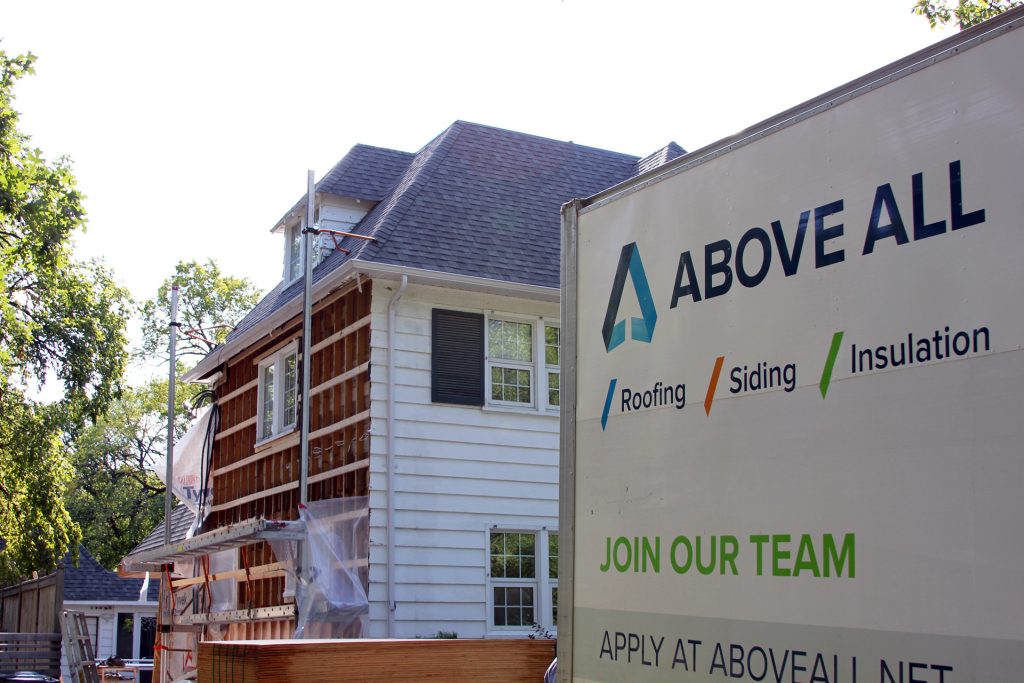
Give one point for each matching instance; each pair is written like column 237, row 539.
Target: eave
column 347, row 273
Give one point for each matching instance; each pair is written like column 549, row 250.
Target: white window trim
column 543, row 368
column 277, row 360
column 288, row 252
column 538, row 368
column 529, row 367
column 542, row 583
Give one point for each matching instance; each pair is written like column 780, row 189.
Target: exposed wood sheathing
column 251, row 480
column 376, row 661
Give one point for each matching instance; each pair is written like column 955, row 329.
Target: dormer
column 331, row 212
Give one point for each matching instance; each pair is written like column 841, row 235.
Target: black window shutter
column 457, row 358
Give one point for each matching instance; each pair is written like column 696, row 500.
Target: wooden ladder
column 78, row 648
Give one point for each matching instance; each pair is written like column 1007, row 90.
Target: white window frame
column 288, row 246
column 528, row 366
column 538, row 368
column 277, row 360
column 544, row 369
column 541, row 583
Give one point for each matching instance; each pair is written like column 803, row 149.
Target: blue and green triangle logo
column 642, row 329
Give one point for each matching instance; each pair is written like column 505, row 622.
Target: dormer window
column 293, row 252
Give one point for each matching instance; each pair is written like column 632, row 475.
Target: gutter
column 349, row 271
column 392, row 604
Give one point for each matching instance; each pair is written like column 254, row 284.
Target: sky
column 191, row 125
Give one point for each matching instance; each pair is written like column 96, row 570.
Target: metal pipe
column 172, row 349
column 392, row 605
column 368, row 238
column 307, row 333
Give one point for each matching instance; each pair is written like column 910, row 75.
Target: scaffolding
column 323, row 577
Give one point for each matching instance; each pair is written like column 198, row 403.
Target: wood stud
column 247, row 483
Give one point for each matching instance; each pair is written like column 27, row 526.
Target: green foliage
column 115, row 499
column 966, row 13
column 445, row 635
column 209, row 304
column 58, row 318
column 35, row 526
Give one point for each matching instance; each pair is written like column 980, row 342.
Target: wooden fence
column 38, row 652
column 30, row 637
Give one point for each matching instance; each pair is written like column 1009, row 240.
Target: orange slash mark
column 709, row 399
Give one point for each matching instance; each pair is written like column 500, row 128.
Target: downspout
column 392, row 605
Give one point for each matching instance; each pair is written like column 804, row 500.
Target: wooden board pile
column 375, row 661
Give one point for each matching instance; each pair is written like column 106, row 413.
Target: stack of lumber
column 375, row 661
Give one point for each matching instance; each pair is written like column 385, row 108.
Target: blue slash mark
column 608, row 404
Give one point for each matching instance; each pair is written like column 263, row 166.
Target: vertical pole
column 303, row 555
column 168, row 494
column 169, row 478
column 307, row 334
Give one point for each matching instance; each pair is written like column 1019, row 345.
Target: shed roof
column 89, row 581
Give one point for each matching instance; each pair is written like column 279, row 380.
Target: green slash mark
column 826, row 373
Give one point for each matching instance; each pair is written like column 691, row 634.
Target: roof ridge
column 385, row 149
column 544, row 138
column 444, row 141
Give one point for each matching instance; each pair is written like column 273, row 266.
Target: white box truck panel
column 797, row 445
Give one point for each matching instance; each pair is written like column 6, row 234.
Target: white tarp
column 188, row 464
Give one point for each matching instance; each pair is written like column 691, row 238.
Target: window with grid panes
column 278, row 392
column 293, row 252
column 513, row 578
column 522, row 570
column 553, row 576
column 552, row 361
column 510, row 362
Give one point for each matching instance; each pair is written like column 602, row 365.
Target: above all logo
column 642, row 329
column 826, row 235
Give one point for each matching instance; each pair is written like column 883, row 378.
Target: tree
column 209, row 304
column 115, row 497
column 58, row 318
column 966, row 13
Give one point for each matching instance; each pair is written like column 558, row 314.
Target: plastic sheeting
column 330, row 599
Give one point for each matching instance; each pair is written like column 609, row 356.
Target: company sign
column 840, row 302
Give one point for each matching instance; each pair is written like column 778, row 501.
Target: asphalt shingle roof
column 90, row 581
column 476, row 201
column 181, row 520
column 365, row 173
column 662, row 156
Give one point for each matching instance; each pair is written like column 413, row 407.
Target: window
column 293, row 252
column 498, row 360
column 552, row 358
column 510, row 362
column 523, row 579
column 124, row 646
column 278, row 389
column 553, row 576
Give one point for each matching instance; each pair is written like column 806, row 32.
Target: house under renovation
column 433, row 401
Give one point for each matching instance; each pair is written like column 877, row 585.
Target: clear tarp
column 329, row 597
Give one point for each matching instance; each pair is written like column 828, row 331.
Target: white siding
column 458, row 472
